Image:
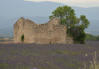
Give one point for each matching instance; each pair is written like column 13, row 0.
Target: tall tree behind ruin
column 75, row 26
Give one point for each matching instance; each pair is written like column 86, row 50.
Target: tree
column 75, row 26
column 84, row 22
column 79, row 34
column 67, row 16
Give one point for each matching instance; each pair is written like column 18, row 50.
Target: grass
column 13, row 66
column 67, row 52
column 4, row 66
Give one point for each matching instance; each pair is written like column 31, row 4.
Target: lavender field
column 56, row 56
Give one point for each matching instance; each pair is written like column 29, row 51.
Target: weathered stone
column 50, row 33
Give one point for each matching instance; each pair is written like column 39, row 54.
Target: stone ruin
column 52, row 32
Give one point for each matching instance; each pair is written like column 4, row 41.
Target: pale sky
column 79, row 3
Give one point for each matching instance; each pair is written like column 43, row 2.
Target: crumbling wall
column 49, row 33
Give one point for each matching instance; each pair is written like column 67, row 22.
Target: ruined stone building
column 52, row 32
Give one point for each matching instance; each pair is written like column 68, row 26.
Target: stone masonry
column 50, row 33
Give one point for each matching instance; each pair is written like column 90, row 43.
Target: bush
column 22, row 38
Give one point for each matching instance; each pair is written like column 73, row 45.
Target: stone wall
column 49, row 33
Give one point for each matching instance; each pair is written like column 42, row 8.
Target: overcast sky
column 79, row 3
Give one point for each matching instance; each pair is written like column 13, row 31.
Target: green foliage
column 78, row 34
column 66, row 14
column 22, row 38
column 84, row 22
column 75, row 26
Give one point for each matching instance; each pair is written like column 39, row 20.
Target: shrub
column 22, row 38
